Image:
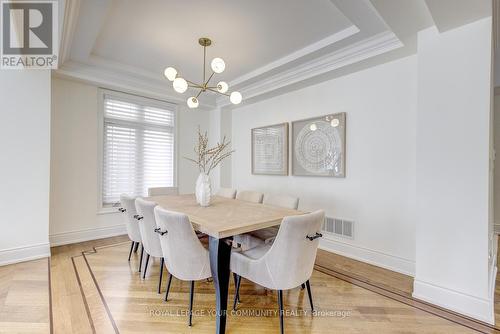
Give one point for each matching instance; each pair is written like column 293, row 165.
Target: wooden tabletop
column 225, row 217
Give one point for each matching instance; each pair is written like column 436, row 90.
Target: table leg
column 220, row 255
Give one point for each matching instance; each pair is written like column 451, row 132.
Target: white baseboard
column 471, row 306
column 493, row 278
column 492, row 294
column 24, row 253
column 377, row 258
column 72, row 237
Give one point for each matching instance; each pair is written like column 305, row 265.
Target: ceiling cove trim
column 71, row 13
column 109, row 78
column 347, row 32
column 367, row 48
column 110, row 65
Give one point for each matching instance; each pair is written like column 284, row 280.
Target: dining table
column 221, row 220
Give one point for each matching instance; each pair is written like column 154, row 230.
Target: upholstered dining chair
column 283, row 201
column 185, row 256
column 249, row 196
column 245, row 240
column 227, row 192
column 159, row 191
column 128, row 212
column 151, row 241
column 286, row 263
column 267, row 235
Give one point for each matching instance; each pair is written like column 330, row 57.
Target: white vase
column 203, row 190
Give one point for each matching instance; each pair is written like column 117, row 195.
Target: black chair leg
column 168, row 286
column 237, row 292
column 280, row 304
column 310, row 294
column 131, row 248
column 235, row 277
column 136, row 247
column 142, row 254
column 145, row 266
column 191, row 297
column 303, row 286
column 162, row 261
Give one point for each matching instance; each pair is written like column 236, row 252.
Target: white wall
column 25, row 164
column 189, row 120
column 378, row 193
column 453, row 140
column 220, row 127
column 74, row 170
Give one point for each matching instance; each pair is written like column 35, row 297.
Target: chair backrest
column 283, row 201
column 290, row 260
column 185, row 256
column 227, row 192
column 158, row 191
column 249, row 196
column 128, row 203
column 147, row 225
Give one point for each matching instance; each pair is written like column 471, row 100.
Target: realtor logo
column 29, row 34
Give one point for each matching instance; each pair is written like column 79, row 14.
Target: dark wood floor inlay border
column 413, row 302
column 392, row 294
column 108, row 311
column 83, row 294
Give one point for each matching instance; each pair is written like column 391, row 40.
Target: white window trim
column 102, row 92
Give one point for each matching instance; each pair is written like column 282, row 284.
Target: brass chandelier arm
column 192, row 83
column 210, row 77
column 216, row 91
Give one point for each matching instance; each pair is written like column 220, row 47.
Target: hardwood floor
column 366, row 272
column 67, row 298
column 99, row 291
column 24, row 297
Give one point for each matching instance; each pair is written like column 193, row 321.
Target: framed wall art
column 318, row 146
column 270, row 150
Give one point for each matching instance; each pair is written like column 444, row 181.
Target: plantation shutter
column 139, row 142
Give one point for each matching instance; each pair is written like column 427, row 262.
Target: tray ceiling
column 267, row 45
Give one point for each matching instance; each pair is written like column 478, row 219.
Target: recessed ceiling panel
column 247, row 34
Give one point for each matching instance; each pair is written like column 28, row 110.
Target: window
column 138, row 146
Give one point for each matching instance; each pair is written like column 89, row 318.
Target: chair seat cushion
column 256, row 238
column 266, row 233
column 247, row 241
column 256, row 252
column 243, row 264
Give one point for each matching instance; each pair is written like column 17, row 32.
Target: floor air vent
column 339, row 227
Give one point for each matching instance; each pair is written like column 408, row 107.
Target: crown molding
column 76, row 60
column 343, row 34
column 71, row 13
column 121, row 80
column 126, row 69
column 119, row 76
column 367, row 48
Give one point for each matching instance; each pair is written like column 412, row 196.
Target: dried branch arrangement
column 208, row 158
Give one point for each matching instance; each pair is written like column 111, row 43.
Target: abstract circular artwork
column 319, row 146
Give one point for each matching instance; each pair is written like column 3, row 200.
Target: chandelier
column 181, row 85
